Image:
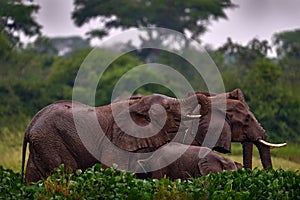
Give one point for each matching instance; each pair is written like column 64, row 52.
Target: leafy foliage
column 97, row 183
column 192, row 16
column 16, row 17
column 288, row 43
column 12, row 188
column 266, row 84
column 62, row 46
column 287, row 46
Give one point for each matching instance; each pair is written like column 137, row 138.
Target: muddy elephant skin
column 53, row 138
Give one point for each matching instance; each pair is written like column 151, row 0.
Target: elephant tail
column 25, row 141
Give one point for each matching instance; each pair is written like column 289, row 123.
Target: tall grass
column 11, row 150
column 291, row 152
column 287, row 158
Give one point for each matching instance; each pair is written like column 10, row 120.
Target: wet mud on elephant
column 54, row 138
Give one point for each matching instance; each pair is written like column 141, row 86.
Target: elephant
column 78, row 136
column 240, row 126
column 195, row 161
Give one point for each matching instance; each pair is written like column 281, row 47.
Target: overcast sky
column 253, row 18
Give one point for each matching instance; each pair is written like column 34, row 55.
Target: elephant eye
column 147, row 118
column 247, row 119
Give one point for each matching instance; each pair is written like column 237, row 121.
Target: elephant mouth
column 271, row 145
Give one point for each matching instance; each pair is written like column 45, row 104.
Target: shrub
column 99, row 183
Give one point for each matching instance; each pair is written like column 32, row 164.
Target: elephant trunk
column 189, row 103
column 264, row 151
column 265, row 154
column 247, row 154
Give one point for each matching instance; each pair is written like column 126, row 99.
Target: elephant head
column 240, row 126
column 153, row 120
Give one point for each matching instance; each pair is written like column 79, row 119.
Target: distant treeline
column 32, row 77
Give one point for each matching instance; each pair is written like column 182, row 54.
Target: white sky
column 253, row 18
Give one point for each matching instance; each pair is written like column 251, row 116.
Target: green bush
column 97, row 183
column 12, row 188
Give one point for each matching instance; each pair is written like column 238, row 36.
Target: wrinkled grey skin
column 196, row 161
column 53, row 137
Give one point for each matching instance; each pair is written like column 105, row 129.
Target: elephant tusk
column 189, row 116
column 272, row 145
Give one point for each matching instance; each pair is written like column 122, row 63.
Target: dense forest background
column 37, row 74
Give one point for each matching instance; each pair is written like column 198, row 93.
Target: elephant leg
column 45, row 156
column 265, row 155
column 247, row 154
column 60, row 156
column 32, row 174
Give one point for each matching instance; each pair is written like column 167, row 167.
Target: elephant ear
column 209, row 164
column 204, row 167
column 125, row 135
column 236, row 94
column 214, row 163
column 223, row 143
column 238, row 165
column 227, row 164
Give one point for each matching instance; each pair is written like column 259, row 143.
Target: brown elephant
column 240, row 126
column 79, row 135
column 195, row 161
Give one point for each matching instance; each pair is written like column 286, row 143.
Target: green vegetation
column 16, row 17
column 97, row 183
column 286, row 158
column 11, row 148
column 177, row 15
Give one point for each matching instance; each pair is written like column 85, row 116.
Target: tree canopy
column 288, row 43
column 182, row 16
column 16, row 18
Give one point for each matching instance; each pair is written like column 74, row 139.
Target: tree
column 275, row 106
column 182, row 16
column 244, row 56
column 62, row 46
column 288, row 44
column 20, row 84
column 15, row 18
